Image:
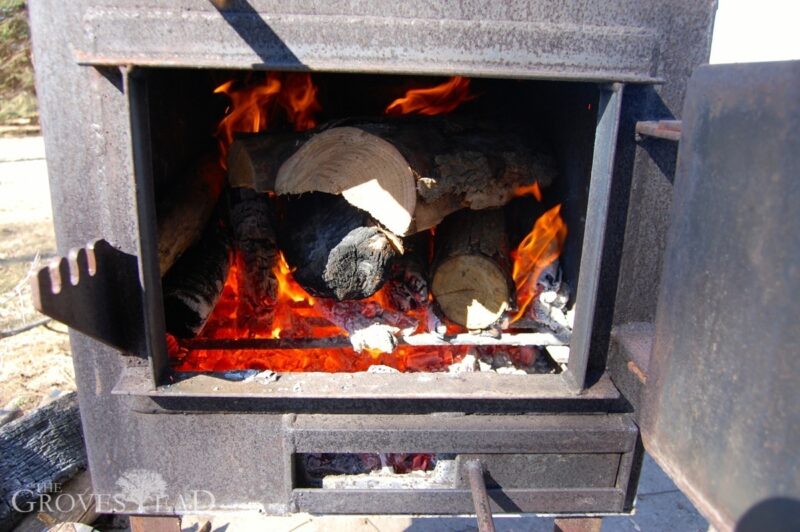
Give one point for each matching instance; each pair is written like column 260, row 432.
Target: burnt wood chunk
column 38, row 451
column 408, row 284
column 254, row 237
column 335, row 249
column 193, row 285
column 407, row 172
column 185, row 210
column 471, row 280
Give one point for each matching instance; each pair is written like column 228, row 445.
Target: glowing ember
column 288, row 99
column 536, row 251
column 436, row 100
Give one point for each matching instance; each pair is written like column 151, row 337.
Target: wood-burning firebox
column 207, row 236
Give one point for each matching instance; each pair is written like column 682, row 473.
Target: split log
column 408, row 172
column 253, row 234
column 471, row 268
column 193, row 285
column 334, row 249
column 184, row 211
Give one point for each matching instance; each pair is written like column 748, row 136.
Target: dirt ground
column 38, row 361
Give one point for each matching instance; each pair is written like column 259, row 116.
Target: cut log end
column 357, row 266
column 335, row 249
column 471, row 290
column 369, row 171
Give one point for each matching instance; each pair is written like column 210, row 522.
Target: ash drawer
column 533, row 463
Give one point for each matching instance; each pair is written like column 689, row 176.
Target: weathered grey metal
column 195, row 441
column 474, row 470
column 605, row 144
column 599, row 41
column 365, row 385
column 721, row 399
column 543, row 470
column 96, row 291
column 458, row 501
column 151, row 301
column 541, row 433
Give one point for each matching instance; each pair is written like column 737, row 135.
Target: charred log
column 471, row 280
column 186, row 210
column 408, row 283
column 335, row 249
column 194, row 284
column 254, row 237
column 408, row 173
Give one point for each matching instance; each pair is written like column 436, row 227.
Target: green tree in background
column 17, row 93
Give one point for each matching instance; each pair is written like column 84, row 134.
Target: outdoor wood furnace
column 247, row 319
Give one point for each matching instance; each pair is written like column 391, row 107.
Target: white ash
column 441, row 476
column 262, row 377
column 380, row 368
column 468, row 364
column 559, row 353
column 376, row 336
column 494, row 360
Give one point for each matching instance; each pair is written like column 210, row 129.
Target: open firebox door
column 721, row 397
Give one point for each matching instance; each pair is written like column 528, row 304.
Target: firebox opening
column 339, row 223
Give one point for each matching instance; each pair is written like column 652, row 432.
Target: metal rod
column 480, row 498
column 660, row 129
column 418, row 340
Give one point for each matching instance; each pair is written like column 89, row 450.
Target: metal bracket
column 95, row 290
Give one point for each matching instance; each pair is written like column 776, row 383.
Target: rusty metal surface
column 659, row 129
column 721, row 402
column 483, row 510
column 95, row 290
column 600, row 41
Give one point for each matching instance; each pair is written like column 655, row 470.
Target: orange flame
column 436, row 100
column 532, row 190
column 537, row 250
column 292, row 98
column 252, row 107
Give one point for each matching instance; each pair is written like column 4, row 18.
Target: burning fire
column 536, row 251
column 436, row 100
column 291, row 99
column 252, row 107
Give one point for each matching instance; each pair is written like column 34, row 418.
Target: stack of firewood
column 419, row 202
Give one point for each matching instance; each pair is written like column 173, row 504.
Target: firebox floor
column 660, row 507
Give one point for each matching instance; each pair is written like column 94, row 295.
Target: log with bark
column 407, row 172
column 471, row 281
column 185, row 209
column 334, row 249
column 193, row 285
column 254, row 237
